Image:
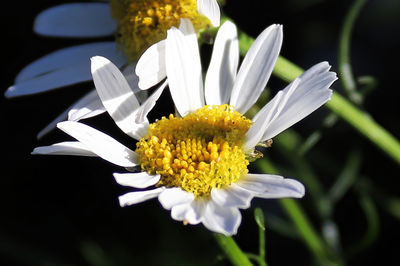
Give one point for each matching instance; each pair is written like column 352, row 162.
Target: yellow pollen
column 141, row 23
column 198, row 152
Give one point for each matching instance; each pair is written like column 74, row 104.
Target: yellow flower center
column 198, row 152
column 141, row 23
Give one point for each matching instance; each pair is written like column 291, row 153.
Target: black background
column 60, row 210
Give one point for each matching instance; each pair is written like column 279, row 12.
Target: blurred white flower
column 71, row 65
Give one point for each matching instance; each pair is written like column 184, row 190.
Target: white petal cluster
column 224, row 84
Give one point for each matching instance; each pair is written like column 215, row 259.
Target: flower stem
column 345, row 71
column 259, row 217
column 232, row 250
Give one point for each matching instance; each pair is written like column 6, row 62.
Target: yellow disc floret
column 141, row 23
column 198, row 152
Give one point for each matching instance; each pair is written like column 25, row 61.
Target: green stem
column 259, row 217
column 232, row 250
column 261, row 236
column 362, row 122
column 345, row 71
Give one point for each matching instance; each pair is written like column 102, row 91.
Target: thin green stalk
column 372, row 232
column 347, row 177
column 259, row 217
column 345, row 71
column 232, row 250
column 254, row 257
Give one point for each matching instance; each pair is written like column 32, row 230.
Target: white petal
column 64, row 148
column 191, row 213
column 70, row 56
column 138, row 197
column 53, row 80
column 129, row 73
column 271, row 186
column 133, row 80
column 221, row 219
column 223, row 65
column 101, row 144
column 138, row 131
column 88, row 106
column 210, row 9
column 232, row 196
column 183, row 72
column 151, row 66
column 76, row 20
column 61, row 117
column 136, row 180
column 256, row 68
column 311, row 93
column 171, row 197
column 61, row 68
column 115, row 93
column 267, row 115
column 147, row 106
column 186, row 27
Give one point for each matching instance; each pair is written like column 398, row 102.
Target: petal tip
column 298, row 188
column 62, row 124
column 9, row 93
column 100, row 60
column 35, row 151
column 122, row 202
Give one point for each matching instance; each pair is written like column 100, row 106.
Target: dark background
column 64, row 210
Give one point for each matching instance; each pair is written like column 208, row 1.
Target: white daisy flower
column 71, row 65
column 196, row 163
